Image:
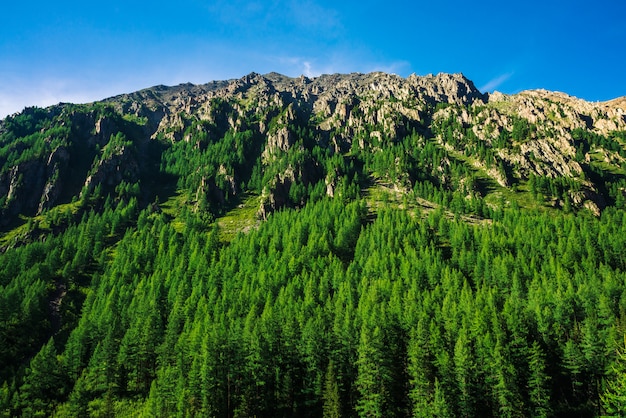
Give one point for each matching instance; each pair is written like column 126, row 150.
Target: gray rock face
column 109, row 172
column 55, row 170
column 24, row 184
column 329, row 95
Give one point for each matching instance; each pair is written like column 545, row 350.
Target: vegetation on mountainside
column 216, row 272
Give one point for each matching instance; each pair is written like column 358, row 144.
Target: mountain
column 503, row 142
column 344, row 245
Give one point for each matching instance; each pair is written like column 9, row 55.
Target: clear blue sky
column 83, row 51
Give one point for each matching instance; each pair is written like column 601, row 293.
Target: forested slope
column 358, row 245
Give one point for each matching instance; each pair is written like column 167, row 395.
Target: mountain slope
column 50, row 156
column 346, row 245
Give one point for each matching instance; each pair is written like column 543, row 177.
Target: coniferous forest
column 210, row 270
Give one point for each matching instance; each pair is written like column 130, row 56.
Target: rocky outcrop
column 276, row 196
column 23, row 185
column 55, row 175
column 280, row 138
column 562, row 112
column 109, row 172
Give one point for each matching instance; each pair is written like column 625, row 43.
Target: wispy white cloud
column 308, row 71
column 310, row 14
column 496, row 82
column 311, row 68
column 331, row 64
column 307, row 16
column 18, row 94
column 395, row 67
column 295, row 66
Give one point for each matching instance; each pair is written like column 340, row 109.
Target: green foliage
column 44, row 383
column 332, row 400
column 614, row 397
column 353, row 305
column 587, row 140
column 322, row 311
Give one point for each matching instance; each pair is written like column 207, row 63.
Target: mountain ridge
column 509, row 138
column 619, row 101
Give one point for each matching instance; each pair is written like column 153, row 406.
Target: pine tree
column 5, row 400
column 421, row 392
column 614, row 397
column 440, row 407
column 332, row 399
column 538, row 382
column 573, row 363
column 44, row 382
column 465, row 371
column 505, row 390
column 373, row 375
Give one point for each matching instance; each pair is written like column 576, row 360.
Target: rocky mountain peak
column 447, row 88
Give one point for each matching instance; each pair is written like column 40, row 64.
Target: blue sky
column 84, row 51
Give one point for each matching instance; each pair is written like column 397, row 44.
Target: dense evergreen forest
column 211, row 275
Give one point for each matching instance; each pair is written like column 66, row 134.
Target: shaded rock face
column 57, row 175
column 56, row 168
column 110, row 172
column 278, row 196
column 34, row 185
column 24, row 184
